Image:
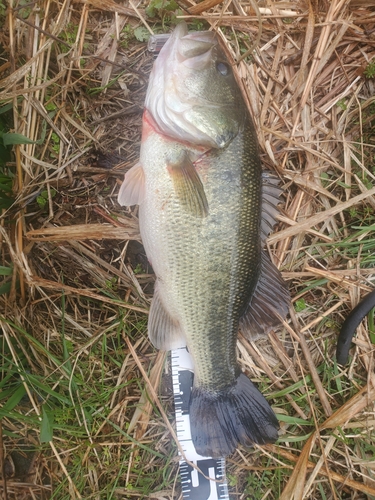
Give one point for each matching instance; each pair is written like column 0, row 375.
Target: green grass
column 73, row 390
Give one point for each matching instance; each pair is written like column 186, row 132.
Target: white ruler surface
column 194, row 485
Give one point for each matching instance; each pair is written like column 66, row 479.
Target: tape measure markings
column 194, row 485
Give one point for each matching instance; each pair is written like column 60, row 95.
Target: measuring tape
column 194, row 485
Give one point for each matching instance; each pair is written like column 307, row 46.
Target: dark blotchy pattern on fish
column 206, row 282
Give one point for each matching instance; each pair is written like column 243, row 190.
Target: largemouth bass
column 205, row 209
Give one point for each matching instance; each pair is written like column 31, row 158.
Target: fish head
column 192, row 94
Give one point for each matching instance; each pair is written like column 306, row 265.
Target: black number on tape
column 185, row 378
column 196, row 487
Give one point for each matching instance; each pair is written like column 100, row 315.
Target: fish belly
column 206, row 267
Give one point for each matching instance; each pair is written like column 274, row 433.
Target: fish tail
column 239, row 414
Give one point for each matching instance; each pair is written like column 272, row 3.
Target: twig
column 49, row 35
column 54, row 285
column 312, row 368
column 344, row 481
column 2, row 462
column 320, row 217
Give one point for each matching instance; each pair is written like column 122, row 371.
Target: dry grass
column 77, row 283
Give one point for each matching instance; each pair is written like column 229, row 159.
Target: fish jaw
column 192, row 94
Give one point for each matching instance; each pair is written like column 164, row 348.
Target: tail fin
column 238, row 415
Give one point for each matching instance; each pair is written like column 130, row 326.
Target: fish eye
column 223, row 68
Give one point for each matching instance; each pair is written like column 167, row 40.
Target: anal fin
column 269, row 303
column 164, row 332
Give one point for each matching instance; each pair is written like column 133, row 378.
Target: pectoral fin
column 132, row 190
column 188, row 187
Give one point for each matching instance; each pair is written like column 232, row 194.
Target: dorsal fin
column 271, row 299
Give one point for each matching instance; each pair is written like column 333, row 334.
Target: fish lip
column 194, row 49
column 204, row 39
column 202, row 36
column 180, row 30
column 197, row 48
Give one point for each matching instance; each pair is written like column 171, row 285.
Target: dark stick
column 2, row 460
column 350, row 325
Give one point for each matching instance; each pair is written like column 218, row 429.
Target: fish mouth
column 181, row 31
column 194, row 49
